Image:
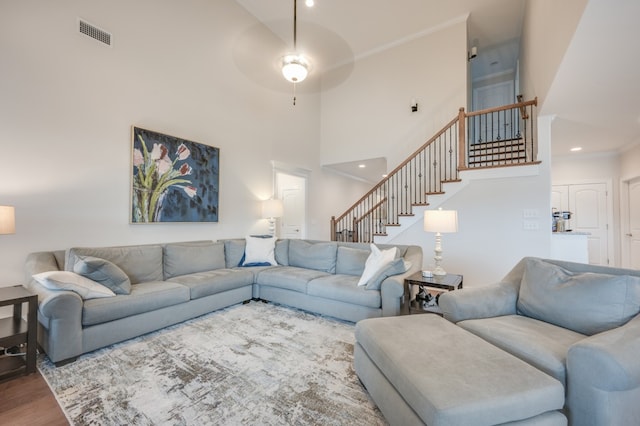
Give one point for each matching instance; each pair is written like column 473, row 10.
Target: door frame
column 612, row 243
column 288, row 169
column 624, row 219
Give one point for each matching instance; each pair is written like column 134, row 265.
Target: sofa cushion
column 288, row 277
column 320, row 256
column 343, row 288
column 67, row 280
column 541, row 344
column 191, row 257
column 259, row 251
column 103, row 272
column 215, row 281
column 282, row 252
column 233, row 252
column 141, row 263
column 587, row 303
column 376, row 262
column 351, row 260
column 144, row 297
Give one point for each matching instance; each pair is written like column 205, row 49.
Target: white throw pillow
column 377, row 260
column 67, row 280
column 260, row 250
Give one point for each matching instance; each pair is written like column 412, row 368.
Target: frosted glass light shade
column 441, row 221
column 272, row 208
column 7, row 220
column 295, row 68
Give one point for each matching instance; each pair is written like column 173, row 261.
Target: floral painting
column 174, row 180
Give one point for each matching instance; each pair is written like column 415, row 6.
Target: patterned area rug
column 253, row 364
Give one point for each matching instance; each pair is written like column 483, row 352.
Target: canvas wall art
column 173, row 179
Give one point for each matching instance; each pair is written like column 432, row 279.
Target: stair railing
column 491, row 134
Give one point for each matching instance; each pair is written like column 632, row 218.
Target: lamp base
column 438, row 271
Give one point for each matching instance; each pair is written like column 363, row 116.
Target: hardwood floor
column 27, row 400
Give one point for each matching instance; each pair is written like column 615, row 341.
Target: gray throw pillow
column 587, row 303
column 103, row 272
column 396, row 267
column 318, row 256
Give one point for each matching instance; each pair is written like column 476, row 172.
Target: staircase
column 496, row 137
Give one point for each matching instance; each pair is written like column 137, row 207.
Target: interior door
column 292, row 191
column 633, row 236
column 588, row 203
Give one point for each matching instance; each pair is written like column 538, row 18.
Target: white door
column 291, row 190
column 632, row 238
column 588, row 205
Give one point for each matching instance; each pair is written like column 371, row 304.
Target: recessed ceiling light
column 384, row 176
column 362, row 166
column 309, row 3
column 576, row 149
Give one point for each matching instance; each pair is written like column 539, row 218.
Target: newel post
column 332, row 229
column 462, row 139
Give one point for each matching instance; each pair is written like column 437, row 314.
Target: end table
column 429, row 290
column 14, row 331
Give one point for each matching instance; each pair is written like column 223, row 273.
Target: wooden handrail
column 519, row 105
column 368, row 212
column 404, row 163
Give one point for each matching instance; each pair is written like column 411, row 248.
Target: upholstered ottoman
column 422, row 369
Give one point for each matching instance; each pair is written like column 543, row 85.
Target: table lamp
column 7, row 220
column 272, row 209
column 440, row 221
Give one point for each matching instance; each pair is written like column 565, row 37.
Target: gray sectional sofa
column 552, row 343
column 170, row 283
column 578, row 323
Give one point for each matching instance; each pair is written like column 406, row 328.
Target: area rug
column 253, row 364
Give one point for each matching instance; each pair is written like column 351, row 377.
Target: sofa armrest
column 480, row 302
column 59, row 311
column 392, row 288
column 603, row 377
column 609, row 360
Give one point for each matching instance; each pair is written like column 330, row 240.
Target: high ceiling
column 594, row 95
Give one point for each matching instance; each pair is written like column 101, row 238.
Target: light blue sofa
column 578, row 323
column 173, row 282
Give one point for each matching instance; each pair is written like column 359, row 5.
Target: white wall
column 548, row 28
column 365, row 106
column 630, row 163
column 67, row 105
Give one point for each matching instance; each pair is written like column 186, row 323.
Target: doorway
column 630, row 212
column 292, row 190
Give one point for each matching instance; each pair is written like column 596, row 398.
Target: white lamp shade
column 295, row 68
column 272, row 208
column 441, row 221
column 7, row 220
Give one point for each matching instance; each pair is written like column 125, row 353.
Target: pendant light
column 295, row 67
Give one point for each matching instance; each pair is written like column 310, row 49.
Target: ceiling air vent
column 95, row 32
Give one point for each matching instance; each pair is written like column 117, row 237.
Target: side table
column 14, row 331
column 425, row 299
